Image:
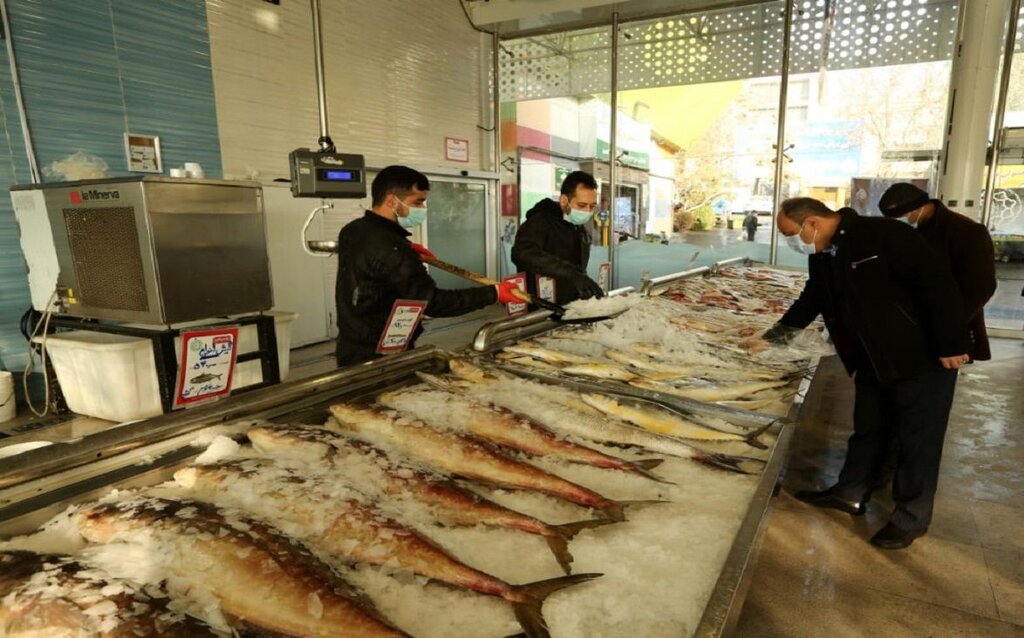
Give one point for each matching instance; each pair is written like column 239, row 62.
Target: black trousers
column 915, row 413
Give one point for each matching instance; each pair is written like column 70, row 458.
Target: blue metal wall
column 90, row 71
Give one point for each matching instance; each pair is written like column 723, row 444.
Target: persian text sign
column 207, row 364
column 401, row 326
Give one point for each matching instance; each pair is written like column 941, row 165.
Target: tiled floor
column 818, row 576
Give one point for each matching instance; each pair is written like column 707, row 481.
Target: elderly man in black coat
column 961, row 244
column 897, row 322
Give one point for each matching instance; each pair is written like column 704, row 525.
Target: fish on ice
column 332, row 521
column 254, row 571
column 466, row 456
column 406, row 486
column 500, row 425
column 56, row 595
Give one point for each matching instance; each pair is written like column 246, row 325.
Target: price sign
column 401, row 326
column 604, row 276
column 514, row 309
column 207, row 364
column 546, row 288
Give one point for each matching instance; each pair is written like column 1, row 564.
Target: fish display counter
column 585, row 481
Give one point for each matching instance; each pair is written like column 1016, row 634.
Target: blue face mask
column 579, row 217
column 796, row 242
column 415, row 217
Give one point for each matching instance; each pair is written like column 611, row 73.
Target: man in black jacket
column 961, row 244
column 554, row 240
column 378, row 265
column 897, row 321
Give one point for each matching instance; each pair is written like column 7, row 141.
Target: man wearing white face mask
column 898, row 325
column 378, row 265
column 554, row 241
column 962, row 244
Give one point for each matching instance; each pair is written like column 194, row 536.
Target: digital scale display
column 333, row 175
column 339, row 176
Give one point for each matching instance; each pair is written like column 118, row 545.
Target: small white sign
column 456, row 149
column 401, row 326
column 604, row 276
column 143, row 153
column 546, row 288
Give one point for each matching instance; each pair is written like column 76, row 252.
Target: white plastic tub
column 106, row 376
column 113, row 377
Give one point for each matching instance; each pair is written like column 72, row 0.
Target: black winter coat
column 965, row 248
column 548, row 245
column 376, row 267
column 888, row 302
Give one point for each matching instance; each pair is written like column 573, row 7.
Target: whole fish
column 663, row 421
column 527, row 361
column 599, row 371
column 371, row 470
column 559, row 409
column 544, row 354
column 710, row 393
column 704, row 371
column 331, row 520
column 53, row 595
column 500, row 425
column 466, row 456
column 643, row 363
column 256, row 573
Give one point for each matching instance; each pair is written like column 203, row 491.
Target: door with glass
column 458, row 227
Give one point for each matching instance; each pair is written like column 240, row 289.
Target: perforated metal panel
column 731, row 45
column 104, row 245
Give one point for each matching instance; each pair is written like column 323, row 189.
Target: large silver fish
column 500, row 425
column 408, row 488
column 711, row 393
column 330, row 520
column 257, row 574
column 563, row 411
column 53, row 595
column 659, row 420
column 545, row 354
column 466, row 456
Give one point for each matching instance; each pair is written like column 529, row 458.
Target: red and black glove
column 422, row 250
column 507, row 292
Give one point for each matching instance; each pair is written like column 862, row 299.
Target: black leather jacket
column 548, row 245
column 376, row 267
column 886, row 299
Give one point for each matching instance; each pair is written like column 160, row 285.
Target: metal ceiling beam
column 521, row 18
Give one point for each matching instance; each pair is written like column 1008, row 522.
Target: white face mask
column 797, row 243
column 579, row 217
column 907, row 220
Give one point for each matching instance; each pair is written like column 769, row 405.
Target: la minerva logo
column 78, row 197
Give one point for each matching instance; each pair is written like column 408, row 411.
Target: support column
column 972, row 92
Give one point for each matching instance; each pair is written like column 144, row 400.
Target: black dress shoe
column 825, row 498
column 892, row 537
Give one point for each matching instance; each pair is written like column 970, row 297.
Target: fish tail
column 558, row 542
column 616, row 510
column 642, row 468
column 752, row 437
column 727, row 462
column 527, row 601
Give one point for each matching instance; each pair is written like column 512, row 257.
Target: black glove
column 780, row 334
column 586, row 287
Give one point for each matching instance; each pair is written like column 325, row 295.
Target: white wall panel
column 401, row 75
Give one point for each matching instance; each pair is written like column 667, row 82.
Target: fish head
column 469, row 371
